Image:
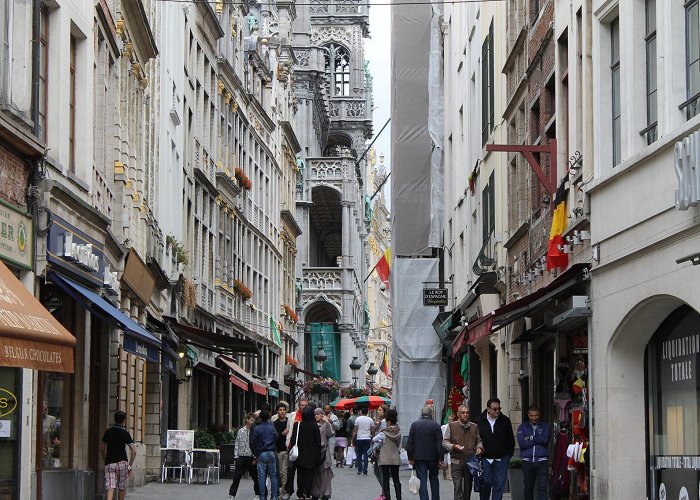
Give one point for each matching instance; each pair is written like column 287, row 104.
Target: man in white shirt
column 362, row 439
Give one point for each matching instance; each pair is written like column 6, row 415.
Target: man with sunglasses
column 496, row 432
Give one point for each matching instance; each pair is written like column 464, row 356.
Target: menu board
column 180, row 440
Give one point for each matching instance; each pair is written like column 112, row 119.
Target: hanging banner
column 324, row 335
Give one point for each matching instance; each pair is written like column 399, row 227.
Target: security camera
column 382, row 287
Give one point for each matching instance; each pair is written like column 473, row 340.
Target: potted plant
column 515, row 478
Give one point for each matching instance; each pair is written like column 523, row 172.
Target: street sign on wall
column 435, row 297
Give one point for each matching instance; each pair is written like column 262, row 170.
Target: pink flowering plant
column 320, row 386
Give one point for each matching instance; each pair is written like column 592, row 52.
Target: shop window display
column 55, row 421
column 9, row 431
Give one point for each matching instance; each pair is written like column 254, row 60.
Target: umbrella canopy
column 372, row 402
column 343, row 404
column 335, row 401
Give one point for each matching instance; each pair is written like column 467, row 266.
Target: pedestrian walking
column 293, row 418
column 496, row 432
column 321, row 486
column 282, row 429
column 424, row 448
column 362, row 439
column 447, row 469
column 244, row 459
column 390, row 454
column 461, row 440
column 263, row 444
column 341, row 440
column 533, row 439
column 113, row 451
column 309, row 444
column 380, row 425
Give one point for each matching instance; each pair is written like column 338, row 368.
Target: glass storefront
column 10, row 381
column 55, row 421
column 673, row 408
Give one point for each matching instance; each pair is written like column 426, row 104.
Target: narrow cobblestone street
column 346, row 485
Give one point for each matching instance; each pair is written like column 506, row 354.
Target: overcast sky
column 378, row 52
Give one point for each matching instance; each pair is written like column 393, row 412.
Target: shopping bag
column 404, row 456
column 350, row 456
column 476, row 470
column 414, row 483
column 294, row 452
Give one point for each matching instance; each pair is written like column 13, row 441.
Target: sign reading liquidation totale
column 674, row 407
column 29, row 336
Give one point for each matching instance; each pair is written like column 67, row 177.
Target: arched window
column 338, row 68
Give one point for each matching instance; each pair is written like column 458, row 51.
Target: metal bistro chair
column 173, row 460
column 201, row 461
column 227, row 457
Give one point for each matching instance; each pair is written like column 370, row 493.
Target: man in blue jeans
column 263, row 445
column 362, row 439
column 496, row 433
column 533, row 439
column 425, row 452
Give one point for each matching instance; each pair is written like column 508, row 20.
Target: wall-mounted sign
column 16, row 236
column 435, row 297
column 142, row 349
column 686, row 155
column 8, row 402
column 180, row 440
column 70, row 248
column 138, row 277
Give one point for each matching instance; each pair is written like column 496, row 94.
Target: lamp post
column 372, row 372
column 320, row 357
column 354, row 366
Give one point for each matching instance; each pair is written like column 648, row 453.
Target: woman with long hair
column 390, row 455
column 380, row 425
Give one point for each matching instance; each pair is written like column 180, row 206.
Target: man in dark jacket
column 424, row 449
column 533, row 438
column 263, row 444
column 496, row 432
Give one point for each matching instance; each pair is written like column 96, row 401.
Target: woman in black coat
column 309, row 451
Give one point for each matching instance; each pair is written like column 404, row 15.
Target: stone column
column 347, row 351
column 347, row 238
column 151, row 435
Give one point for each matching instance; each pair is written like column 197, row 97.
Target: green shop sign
column 16, row 236
column 324, row 335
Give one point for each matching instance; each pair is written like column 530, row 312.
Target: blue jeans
column 361, row 449
column 428, row 470
column 495, row 475
column 535, row 479
column 267, row 466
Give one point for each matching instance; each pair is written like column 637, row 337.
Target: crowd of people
column 307, row 443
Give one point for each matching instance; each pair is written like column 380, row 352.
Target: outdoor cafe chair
column 173, row 460
column 202, row 461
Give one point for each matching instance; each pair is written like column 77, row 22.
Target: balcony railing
column 322, row 278
column 348, row 109
column 329, row 7
column 327, row 169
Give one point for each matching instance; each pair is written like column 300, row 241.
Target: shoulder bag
column 294, row 452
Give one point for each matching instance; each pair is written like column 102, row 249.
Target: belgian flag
column 555, row 256
column 383, row 267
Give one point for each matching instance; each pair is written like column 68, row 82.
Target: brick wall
column 14, row 176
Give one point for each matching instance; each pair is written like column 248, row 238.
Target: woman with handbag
column 306, row 451
column 390, row 455
column 321, row 484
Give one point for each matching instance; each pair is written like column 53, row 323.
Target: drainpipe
column 36, row 33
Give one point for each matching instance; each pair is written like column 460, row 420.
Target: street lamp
column 372, row 371
column 320, row 357
column 354, row 366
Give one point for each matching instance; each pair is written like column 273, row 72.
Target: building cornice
column 139, row 29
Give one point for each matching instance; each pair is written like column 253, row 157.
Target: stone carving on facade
column 351, row 36
column 334, row 299
column 355, row 109
column 302, row 57
column 319, row 6
column 323, row 280
column 334, row 110
column 324, row 169
column 347, row 6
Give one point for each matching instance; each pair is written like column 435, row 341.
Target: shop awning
column 508, row 313
column 534, row 334
column 169, row 359
column 30, row 337
column 473, row 332
column 259, row 388
column 216, row 342
column 240, row 377
column 137, row 339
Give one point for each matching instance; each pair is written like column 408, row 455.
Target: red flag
column 385, row 364
column 383, row 267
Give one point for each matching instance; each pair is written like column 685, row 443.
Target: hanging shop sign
column 435, row 297
column 134, row 346
column 69, row 248
column 686, row 154
column 16, row 236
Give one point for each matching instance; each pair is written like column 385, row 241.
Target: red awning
column 472, row 332
column 259, row 388
column 238, row 382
